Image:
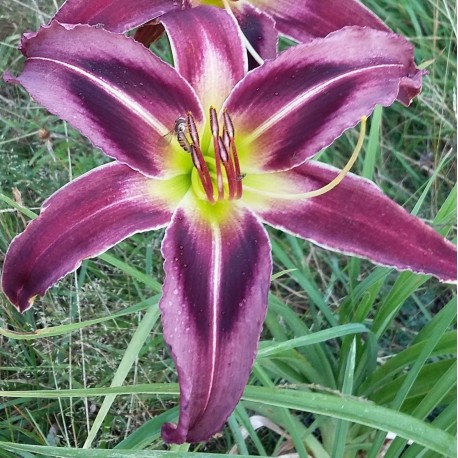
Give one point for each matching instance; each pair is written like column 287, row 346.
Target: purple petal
column 308, row 19
column 354, row 218
column 114, row 15
column 82, row 220
column 259, row 28
column 292, row 107
column 213, row 305
column 207, row 51
column 116, row 92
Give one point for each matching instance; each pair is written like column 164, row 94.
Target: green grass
column 349, row 351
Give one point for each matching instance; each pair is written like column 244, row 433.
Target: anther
column 229, row 128
column 215, row 130
column 214, row 122
column 193, row 129
column 222, row 150
column 228, row 125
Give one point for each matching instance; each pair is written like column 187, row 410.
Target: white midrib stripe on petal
column 121, row 96
column 215, row 299
column 301, row 99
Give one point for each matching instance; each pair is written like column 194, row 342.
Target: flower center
column 217, row 176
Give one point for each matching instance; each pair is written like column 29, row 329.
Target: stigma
column 218, row 173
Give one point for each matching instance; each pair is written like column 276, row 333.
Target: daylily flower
column 238, row 155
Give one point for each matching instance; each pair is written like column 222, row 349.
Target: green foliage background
column 349, row 351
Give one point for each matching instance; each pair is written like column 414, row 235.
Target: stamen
column 193, row 129
column 228, row 124
column 222, row 150
column 230, row 132
column 227, row 182
column 214, row 122
column 226, row 140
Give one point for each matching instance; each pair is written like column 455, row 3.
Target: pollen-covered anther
column 218, row 168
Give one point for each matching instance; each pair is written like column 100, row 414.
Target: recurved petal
column 82, row 220
column 308, row 19
column 114, row 15
column 259, row 28
column 354, row 218
column 290, row 108
column 111, row 88
column 207, row 51
column 213, row 305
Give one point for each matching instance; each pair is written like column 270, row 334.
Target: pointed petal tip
column 172, row 435
column 25, row 305
column 356, row 219
column 67, row 231
column 8, row 77
column 215, row 294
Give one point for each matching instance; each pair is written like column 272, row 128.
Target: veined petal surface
column 307, row 19
column 114, row 15
column 80, row 221
column 207, row 50
column 111, row 88
column 259, row 29
column 290, row 108
column 355, row 218
column 213, row 305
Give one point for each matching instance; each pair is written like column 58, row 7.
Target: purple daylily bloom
column 239, row 155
